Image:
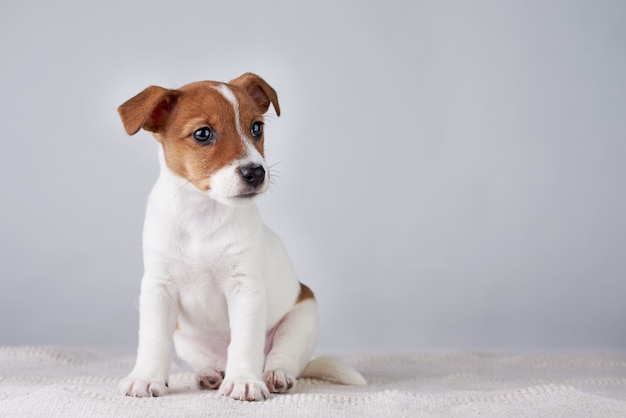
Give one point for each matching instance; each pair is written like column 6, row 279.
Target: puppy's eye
column 256, row 129
column 203, row 135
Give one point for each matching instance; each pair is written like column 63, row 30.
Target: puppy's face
column 211, row 133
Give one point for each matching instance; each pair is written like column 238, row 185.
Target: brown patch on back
column 305, row 293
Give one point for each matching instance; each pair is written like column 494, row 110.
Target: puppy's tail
column 334, row 370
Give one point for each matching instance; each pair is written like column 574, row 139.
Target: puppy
column 218, row 281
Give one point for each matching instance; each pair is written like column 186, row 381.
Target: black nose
column 253, row 174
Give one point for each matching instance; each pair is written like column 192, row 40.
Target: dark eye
column 256, row 129
column 203, row 135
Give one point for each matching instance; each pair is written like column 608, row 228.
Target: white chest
column 201, row 250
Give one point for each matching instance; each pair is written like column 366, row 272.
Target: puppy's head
column 211, row 133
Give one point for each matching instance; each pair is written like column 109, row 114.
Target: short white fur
column 220, row 284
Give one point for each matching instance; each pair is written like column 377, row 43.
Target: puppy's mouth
column 248, row 195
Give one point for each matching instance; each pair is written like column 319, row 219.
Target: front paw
column 244, row 390
column 142, row 388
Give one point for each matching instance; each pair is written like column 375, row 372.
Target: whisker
column 181, row 187
column 173, row 196
column 274, row 165
column 275, row 175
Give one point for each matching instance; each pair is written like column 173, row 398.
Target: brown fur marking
column 305, row 293
column 173, row 116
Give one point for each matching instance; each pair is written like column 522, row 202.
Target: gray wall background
column 451, row 174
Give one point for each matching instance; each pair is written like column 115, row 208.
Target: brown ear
column 148, row 110
column 262, row 93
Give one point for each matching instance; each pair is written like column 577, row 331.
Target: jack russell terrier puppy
column 217, row 280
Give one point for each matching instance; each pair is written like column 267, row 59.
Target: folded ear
column 148, row 110
column 262, row 93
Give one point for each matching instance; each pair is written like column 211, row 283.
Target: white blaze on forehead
column 227, row 183
column 230, row 96
column 253, row 153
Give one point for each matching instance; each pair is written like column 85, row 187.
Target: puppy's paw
column 278, row 381
column 244, row 390
column 142, row 388
column 210, row 378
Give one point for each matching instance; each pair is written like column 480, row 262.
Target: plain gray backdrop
column 450, row 175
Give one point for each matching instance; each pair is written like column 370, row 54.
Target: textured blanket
column 73, row 382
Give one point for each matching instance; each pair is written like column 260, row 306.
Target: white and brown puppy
column 217, row 280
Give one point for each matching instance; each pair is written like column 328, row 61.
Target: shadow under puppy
column 217, row 280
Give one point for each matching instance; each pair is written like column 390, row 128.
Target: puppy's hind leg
column 208, row 364
column 292, row 346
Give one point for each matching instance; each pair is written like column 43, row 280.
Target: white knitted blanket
column 75, row 382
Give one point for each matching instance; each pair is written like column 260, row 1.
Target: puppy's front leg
column 247, row 313
column 158, row 310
